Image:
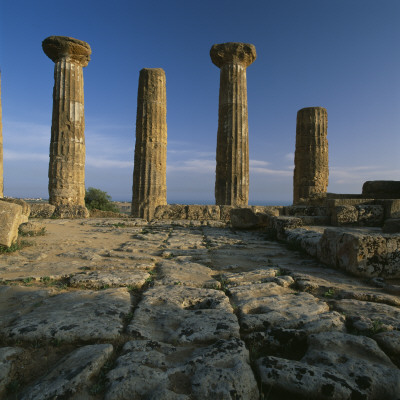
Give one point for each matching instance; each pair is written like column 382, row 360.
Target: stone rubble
column 123, row 308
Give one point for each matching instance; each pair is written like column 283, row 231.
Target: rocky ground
column 122, row 309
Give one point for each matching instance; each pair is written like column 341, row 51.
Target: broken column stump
column 311, row 170
column 149, row 188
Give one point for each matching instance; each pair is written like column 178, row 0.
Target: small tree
column 96, row 198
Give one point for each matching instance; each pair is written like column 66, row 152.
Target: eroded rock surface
column 123, row 308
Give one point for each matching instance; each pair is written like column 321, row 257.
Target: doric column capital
column 59, row 47
column 233, row 53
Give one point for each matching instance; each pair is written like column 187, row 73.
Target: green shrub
column 97, row 199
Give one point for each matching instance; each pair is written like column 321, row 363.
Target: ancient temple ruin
column 232, row 171
column 311, row 169
column 149, row 177
column 67, row 145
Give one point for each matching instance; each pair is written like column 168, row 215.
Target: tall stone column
column 67, row 145
column 232, row 170
column 311, row 169
column 149, row 176
column 1, row 148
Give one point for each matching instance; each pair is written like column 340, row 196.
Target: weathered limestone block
column 1, row 148
column 42, row 210
column 10, row 219
column 149, row 176
column 246, row 218
column 26, row 209
column 67, row 145
column 280, row 226
column 381, row 189
column 306, row 210
column 344, row 215
column 31, row 228
column 272, row 210
column 225, row 213
column 311, row 169
column 171, row 211
column 203, row 213
column 360, row 214
column 368, row 255
column 71, row 211
column 306, row 239
column 232, row 170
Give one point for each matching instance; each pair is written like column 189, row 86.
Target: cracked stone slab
column 155, row 370
column 281, row 303
column 7, row 355
column 182, row 314
column 368, row 316
column 131, row 222
column 291, row 339
column 36, row 270
column 281, row 307
column 335, row 366
column 259, row 275
column 115, row 278
column 79, row 315
column 16, row 301
column 389, row 342
column 135, row 255
column 70, row 373
column 187, row 274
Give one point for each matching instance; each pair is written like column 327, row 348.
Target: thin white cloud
column 106, row 163
column 194, row 165
column 272, row 172
column 258, row 163
column 191, row 152
column 11, row 155
column 26, row 134
column 289, row 157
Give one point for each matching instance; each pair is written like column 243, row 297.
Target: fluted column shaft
column 311, row 172
column 1, row 148
column 232, row 169
column 149, row 188
column 67, row 144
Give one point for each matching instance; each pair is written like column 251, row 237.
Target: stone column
column 67, row 145
column 1, row 149
column 311, row 170
column 232, row 170
column 149, row 176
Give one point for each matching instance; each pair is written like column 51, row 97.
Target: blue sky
column 340, row 54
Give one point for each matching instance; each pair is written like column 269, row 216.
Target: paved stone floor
column 122, row 309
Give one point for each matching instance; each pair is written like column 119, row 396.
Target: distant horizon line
column 267, row 203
